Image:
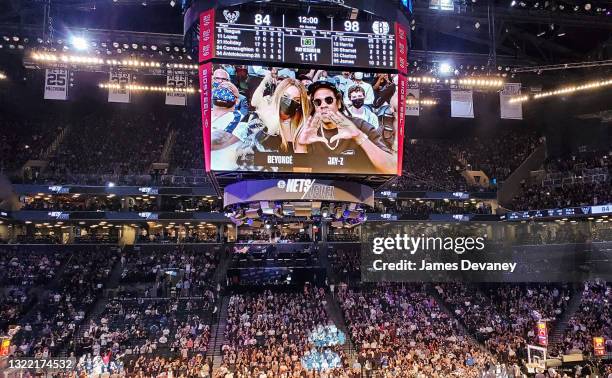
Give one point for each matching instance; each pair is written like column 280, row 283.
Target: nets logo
column 59, row 189
column 148, row 215
column 148, row 190
column 296, row 185
column 59, row 215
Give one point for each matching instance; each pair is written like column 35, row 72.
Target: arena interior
column 306, row 188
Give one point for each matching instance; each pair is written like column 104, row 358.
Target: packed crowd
column 418, row 208
column 504, row 317
column 127, row 142
column 25, row 139
column 574, row 180
column 399, row 330
column 147, row 326
column 178, row 270
column 496, row 156
column 593, row 318
column 66, row 301
column 268, row 334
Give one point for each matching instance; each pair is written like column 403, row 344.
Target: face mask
column 223, row 97
column 358, row 75
column 358, row 102
column 289, row 106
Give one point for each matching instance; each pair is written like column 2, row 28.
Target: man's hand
column 309, row 134
column 346, row 128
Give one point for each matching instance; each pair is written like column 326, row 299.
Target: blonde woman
column 281, row 115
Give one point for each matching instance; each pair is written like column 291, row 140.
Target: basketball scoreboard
column 309, row 38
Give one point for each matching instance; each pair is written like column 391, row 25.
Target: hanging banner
column 119, row 94
column 412, row 102
column 462, row 104
column 205, row 76
column 402, row 87
column 177, row 79
column 542, row 334
column 510, row 110
column 599, row 347
column 56, row 84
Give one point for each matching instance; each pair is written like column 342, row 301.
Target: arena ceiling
column 492, row 32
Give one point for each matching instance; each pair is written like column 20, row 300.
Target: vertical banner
column 462, row 104
column 412, row 101
column 207, row 35
column 119, row 94
column 56, row 84
column 542, row 334
column 402, row 87
column 205, row 76
column 401, row 49
column 510, row 110
column 599, row 347
column 176, row 79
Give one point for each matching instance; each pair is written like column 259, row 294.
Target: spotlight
column 513, row 3
column 172, row 3
column 110, row 184
column 477, row 25
column 445, row 68
column 79, row 43
column 587, row 6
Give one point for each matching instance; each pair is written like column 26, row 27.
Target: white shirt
column 369, row 93
column 367, row 115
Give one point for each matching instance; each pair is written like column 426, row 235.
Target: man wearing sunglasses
column 329, row 132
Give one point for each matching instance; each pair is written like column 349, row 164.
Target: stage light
column 513, row 3
column 79, row 43
column 445, row 68
column 2, row 76
column 541, row 33
column 587, row 6
column 172, row 3
column 110, row 184
column 477, row 25
column 560, row 34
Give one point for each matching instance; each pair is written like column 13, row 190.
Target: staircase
column 556, row 336
column 221, row 271
column 115, row 275
column 334, row 312
column 217, row 334
column 431, row 290
column 168, row 146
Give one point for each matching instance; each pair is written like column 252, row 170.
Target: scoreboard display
column 308, row 38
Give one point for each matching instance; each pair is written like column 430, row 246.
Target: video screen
column 272, row 119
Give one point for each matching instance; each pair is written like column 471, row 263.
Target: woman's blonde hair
column 299, row 120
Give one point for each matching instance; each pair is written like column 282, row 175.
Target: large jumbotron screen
column 332, row 106
column 273, row 119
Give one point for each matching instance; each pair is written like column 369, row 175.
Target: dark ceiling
column 489, row 32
